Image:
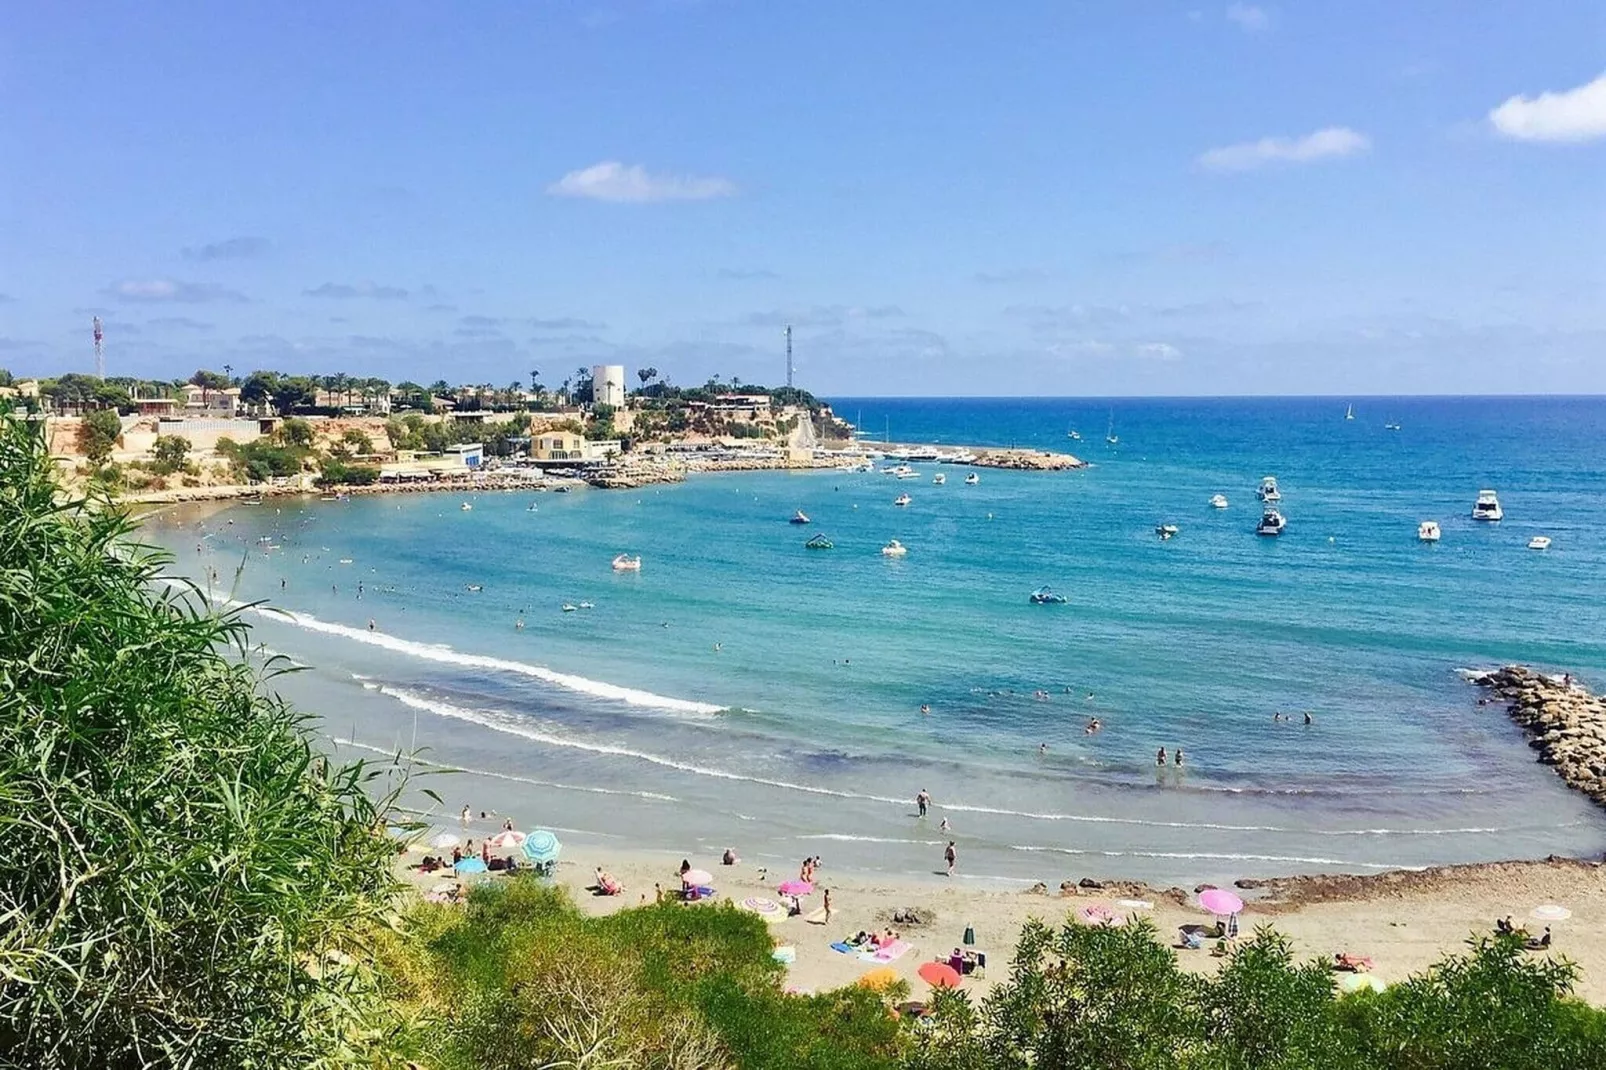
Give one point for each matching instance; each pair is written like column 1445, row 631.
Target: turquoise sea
column 741, row 690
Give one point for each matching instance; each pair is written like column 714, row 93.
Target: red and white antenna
column 100, row 352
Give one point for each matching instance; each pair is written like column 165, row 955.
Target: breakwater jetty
column 1565, row 723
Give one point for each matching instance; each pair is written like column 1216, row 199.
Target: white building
column 608, row 385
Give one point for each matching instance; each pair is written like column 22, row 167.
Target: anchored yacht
column 1487, row 507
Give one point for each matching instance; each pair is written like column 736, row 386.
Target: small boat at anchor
column 465, row 507
column 569, row 607
column 902, row 499
column 820, row 542
column 894, row 548
column 1487, row 507
column 1271, row 523
column 1428, row 531
column 1539, row 542
column 800, row 517
column 1268, row 491
column 1045, row 596
column 972, row 479
column 1165, row 531
column 939, row 479
column 626, row 563
column 1218, row 501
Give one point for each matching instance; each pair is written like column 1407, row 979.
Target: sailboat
column 1110, row 436
column 1349, row 412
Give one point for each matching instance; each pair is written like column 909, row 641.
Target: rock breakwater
column 1565, row 723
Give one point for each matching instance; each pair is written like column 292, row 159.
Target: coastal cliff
column 1565, row 723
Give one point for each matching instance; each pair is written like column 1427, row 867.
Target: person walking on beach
column 922, row 801
column 951, row 856
column 828, row 906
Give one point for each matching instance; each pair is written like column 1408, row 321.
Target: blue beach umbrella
column 469, row 865
column 542, row 847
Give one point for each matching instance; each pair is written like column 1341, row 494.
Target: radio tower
column 789, row 356
column 100, row 351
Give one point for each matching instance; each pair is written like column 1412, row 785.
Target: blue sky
column 941, row 197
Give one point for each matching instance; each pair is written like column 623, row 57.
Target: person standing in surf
column 951, row 856
column 922, row 801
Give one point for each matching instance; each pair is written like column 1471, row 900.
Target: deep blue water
column 805, row 723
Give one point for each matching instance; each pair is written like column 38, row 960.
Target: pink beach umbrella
column 795, row 887
column 1220, row 902
column 697, row 877
column 506, row 838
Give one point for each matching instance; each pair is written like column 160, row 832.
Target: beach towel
column 785, row 955
column 844, row 948
column 894, row 951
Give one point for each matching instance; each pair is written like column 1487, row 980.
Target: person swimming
column 1159, row 757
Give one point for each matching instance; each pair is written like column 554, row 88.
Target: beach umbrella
column 542, row 847
column 1355, row 982
column 879, row 978
column 470, row 865
column 795, row 887
column 1220, row 902
column 939, row 975
column 445, row 841
column 1551, row 912
column 506, row 838
column 768, row 909
column 697, row 877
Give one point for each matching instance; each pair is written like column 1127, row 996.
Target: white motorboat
column 569, row 607
column 465, row 507
column 588, row 605
column 1428, row 531
column 1487, row 507
column 1165, row 531
column 1539, row 542
column 626, row 563
column 1218, row 501
column 972, row 479
column 1268, row 491
column 902, row 499
column 894, row 548
column 907, row 473
column 1074, row 435
column 1271, row 522
column 799, row 517
column 939, row 479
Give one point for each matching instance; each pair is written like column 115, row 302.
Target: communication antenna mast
column 788, row 356
column 100, row 351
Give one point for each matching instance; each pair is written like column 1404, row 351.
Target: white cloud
column 341, row 291
column 1093, row 347
column 1571, row 115
column 1159, row 351
column 1334, row 141
column 613, row 181
column 1252, row 19
column 192, row 293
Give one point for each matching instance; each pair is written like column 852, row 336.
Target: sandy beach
column 1403, row 920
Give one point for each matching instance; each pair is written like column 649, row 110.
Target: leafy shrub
column 184, row 877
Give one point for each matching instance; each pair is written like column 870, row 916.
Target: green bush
column 654, row 987
column 184, row 878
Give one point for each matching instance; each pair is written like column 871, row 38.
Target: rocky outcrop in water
column 1028, row 460
column 1565, row 723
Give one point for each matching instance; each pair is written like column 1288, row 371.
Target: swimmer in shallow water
column 925, row 710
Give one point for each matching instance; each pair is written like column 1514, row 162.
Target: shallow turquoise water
column 804, row 724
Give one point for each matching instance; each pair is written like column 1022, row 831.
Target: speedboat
column 1271, row 522
column 1074, row 435
column 1268, row 491
column 894, row 548
column 939, row 479
column 1391, row 426
column 1428, row 531
column 1218, row 501
column 1165, row 531
column 1487, row 507
column 1539, row 542
column 972, row 479
column 800, row 517
column 465, row 507
column 588, row 605
column 569, row 607
column 820, row 542
column 905, row 472
column 626, row 563
column 902, row 499
column 1045, row 596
